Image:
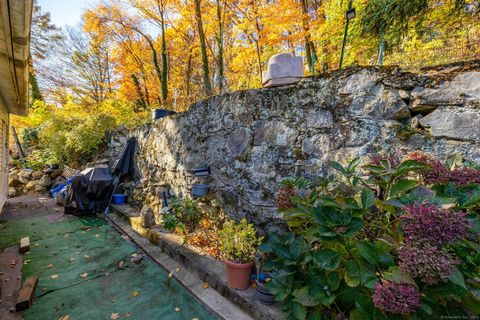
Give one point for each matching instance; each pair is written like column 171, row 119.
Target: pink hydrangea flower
column 426, row 262
column 396, row 298
column 427, row 223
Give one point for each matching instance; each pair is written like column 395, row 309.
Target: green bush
column 72, row 134
column 239, row 241
column 382, row 239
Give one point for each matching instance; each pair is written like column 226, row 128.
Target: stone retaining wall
column 252, row 139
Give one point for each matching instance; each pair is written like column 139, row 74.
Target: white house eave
column 15, row 23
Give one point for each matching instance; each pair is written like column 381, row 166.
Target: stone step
column 204, row 266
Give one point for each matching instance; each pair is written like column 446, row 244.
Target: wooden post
column 24, row 299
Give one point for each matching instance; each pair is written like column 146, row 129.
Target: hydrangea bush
column 386, row 237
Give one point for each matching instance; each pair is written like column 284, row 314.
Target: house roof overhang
column 15, row 23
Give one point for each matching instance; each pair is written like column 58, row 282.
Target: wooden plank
column 24, row 244
column 24, row 299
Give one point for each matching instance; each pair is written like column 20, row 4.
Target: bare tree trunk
column 309, row 47
column 203, row 48
column 164, row 59
column 220, row 47
column 188, row 76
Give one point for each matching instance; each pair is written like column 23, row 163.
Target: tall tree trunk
column 140, row 97
column 155, row 59
column 188, row 76
column 164, row 62
column 309, row 47
column 257, row 47
column 220, row 47
column 203, row 48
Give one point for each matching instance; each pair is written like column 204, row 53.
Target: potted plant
column 238, row 245
column 261, row 278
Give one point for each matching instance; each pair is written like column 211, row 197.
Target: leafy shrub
column 198, row 222
column 187, row 212
column 30, row 137
column 72, row 134
column 381, row 239
column 239, row 241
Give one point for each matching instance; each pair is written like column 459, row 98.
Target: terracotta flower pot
column 239, row 274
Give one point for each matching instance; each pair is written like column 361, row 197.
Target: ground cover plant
column 385, row 237
column 198, row 222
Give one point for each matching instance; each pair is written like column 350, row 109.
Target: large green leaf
column 333, row 281
column 265, row 247
column 394, row 274
column 328, row 259
column 299, row 311
column 353, row 164
column 298, row 247
column 304, row 298
column 357, row 272
column 367, row 197
column 355, row 226
column 457, row 277
column 409, row 166
column 402, row 186
column 281, row 285
column 337, row 166
column 470, row 197
column 377, row 253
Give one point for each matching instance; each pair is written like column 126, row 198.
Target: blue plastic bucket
column 119, row 198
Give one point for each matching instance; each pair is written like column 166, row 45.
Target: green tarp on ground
column 80, row 276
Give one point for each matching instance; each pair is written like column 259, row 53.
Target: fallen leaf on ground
column 86, row 256
column 134, row 293
column 120, row 264
column 54, row 276
column 50, row 266
column 127, row 315
column 97, row 235
column 177, row 309
column 205, row 285
column 114, row 316
column 84, row 275
column 177, row 270
column 170, row 274
column 65, row 317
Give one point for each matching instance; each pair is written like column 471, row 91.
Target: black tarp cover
column 90, row 192
column 124, row 164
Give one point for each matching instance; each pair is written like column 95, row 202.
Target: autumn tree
column 45, row 38
column 113, row 19
column 203, row 48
